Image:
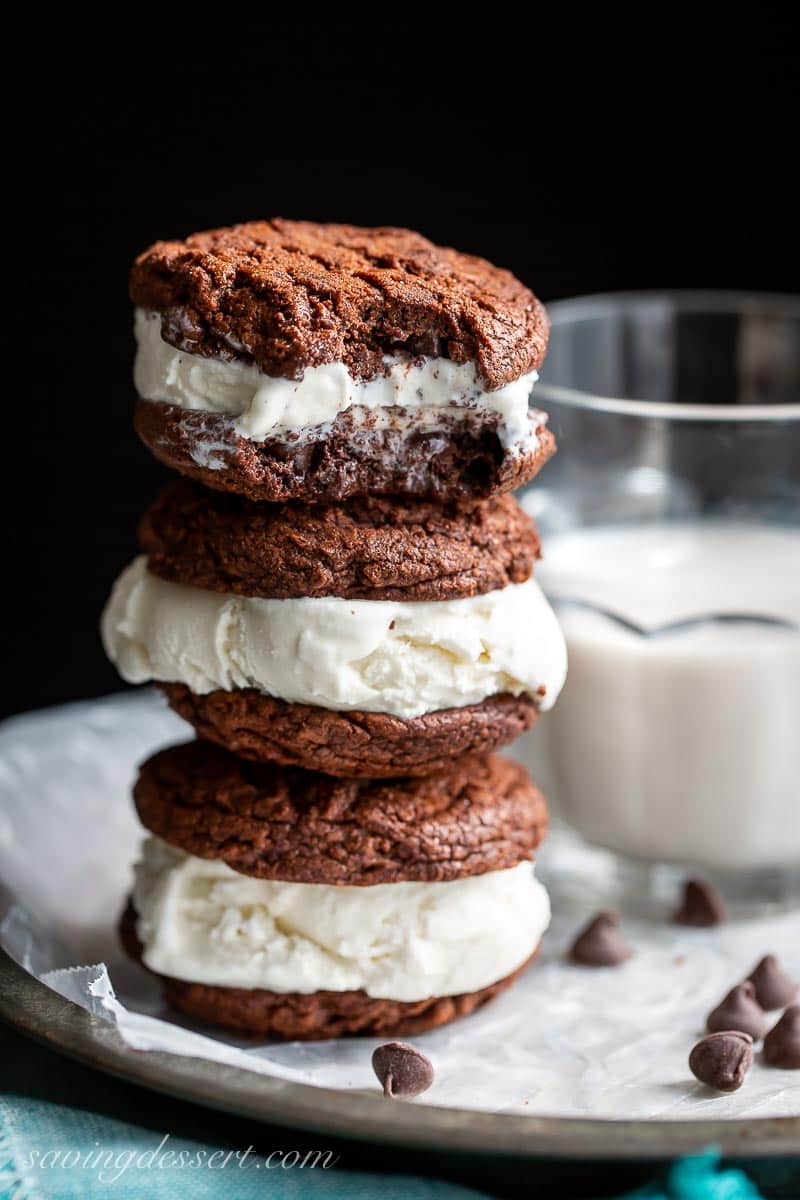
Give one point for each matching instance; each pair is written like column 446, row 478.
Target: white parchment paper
column 565, row 1041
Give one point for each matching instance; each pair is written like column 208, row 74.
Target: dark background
column 586, row 150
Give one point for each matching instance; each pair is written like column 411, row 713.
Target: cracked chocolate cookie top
column 367, row 549
column 481, row 814
column 288, row 295
column 350, row 744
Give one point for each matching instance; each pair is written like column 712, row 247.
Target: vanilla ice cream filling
column 201, row 921
column 418, row 393
column 401, row 657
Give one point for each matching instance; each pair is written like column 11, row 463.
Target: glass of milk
column 671, row 526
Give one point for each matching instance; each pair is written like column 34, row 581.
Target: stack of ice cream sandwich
column 338, row 596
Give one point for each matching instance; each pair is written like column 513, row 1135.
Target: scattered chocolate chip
column 782, row 1044
column 403, row 1071
column 722, row 1059
column 701, row 905
column 739, row 1010
column 774, row 988
column 601, row 943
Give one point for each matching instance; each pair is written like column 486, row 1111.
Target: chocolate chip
column 782, row 1044
column 722, row 1059
column 739, row 1010
column 403, row 1071
column 701, row 905
column 601, row 943
column 774, row 988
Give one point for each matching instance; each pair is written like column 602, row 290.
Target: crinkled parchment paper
column 565, row 1041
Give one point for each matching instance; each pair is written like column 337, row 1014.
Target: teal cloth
column 118, row 1160
column 48, row 1150
column 699, row 1178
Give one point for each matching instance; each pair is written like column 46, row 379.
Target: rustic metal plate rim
column 36, row 1010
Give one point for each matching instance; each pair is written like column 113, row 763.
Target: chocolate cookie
column 463, row 460
column 365, row 549
column 312, row 1016
column 287, row 295
column 350, row 744
column 271, row 822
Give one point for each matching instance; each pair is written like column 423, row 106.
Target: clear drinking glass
column 670, row 519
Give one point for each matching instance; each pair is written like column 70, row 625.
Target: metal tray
column 105, row 738
column 38, row 1011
